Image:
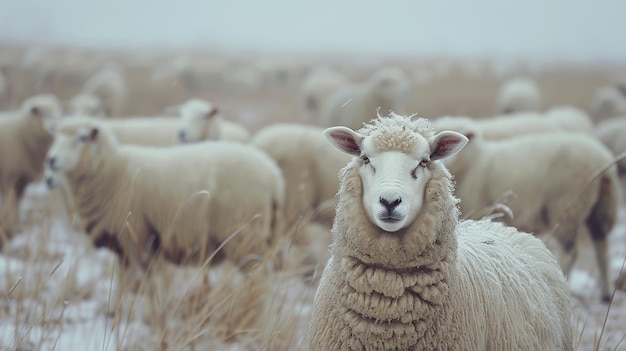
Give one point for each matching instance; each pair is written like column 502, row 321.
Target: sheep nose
column 181, row 135
column 390, row 205
column 51, row 162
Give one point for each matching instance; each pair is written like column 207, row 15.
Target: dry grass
column 54, row 287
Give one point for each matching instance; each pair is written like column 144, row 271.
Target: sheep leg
column 602, row 258
column 567, row 256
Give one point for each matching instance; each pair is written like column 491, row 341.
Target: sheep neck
column 95, row 184
column 394, row 287
column 35, row 143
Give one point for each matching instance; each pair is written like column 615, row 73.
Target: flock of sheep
column 405, row 268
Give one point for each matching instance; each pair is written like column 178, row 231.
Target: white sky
column 535, row 29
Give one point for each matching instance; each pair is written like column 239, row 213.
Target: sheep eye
column 365, row 159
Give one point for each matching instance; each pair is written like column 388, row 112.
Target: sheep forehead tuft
column 397, row 133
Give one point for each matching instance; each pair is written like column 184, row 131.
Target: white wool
column 520, row 94
column 435, row 284
column 549, row 174
column 86, row 105
column 183, row 201
column 319, row 84
column 608, row 101
column 109, row 85
column 202, row 120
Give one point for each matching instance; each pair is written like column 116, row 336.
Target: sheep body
column 109, row 85
column 309, row 165
column 518, row 94
column 350, row 105
column 112, row 183
column 86, row 104
column 24, row 141
column 557, row 119
column 435, row 284
column 532, row 166
column 608, row 101
column 316, row 88
column 201, row 120
column 146, row 131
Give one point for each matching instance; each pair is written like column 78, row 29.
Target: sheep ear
column 344, row 139
column 447, row 143
column 213, row 112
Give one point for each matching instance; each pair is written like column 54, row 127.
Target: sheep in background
column 321, row 83
column 86, row 105
column 109, row 85
column 201, row 120
column 551, row 176
column 178, row 203
column 518, row 94
column 556, row 120
column 24, row 141
column 607, row 102
column 349, row 106
column 612, row 133
column 406, row 275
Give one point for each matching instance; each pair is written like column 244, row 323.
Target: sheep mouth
column 390, row 218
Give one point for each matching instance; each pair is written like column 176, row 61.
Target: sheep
column 86, row 104
column 557, row 119
column 24, row 141
column 309, row 165
column 134, row 200
column 519, row 94
column 147, row 131
column 612, row 133
column 109, row 85
column 551, row 176
column 349, row 106
column 202, row 120
column 406, row 274
column 316, row 88
column 608, row 101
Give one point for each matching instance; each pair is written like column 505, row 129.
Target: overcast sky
column 539, row 29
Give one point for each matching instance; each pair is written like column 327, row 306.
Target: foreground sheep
column 86, row 105
column 316, row 88
column 180, row 203
column 551, row 176
column 201, row 120
column 24, row 141
column 612, row 133
column 405, row 275
column 349, row 106
column 518, row 95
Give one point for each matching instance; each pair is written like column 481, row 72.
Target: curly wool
column 416, row 290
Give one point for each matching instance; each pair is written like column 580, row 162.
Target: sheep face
column 69, row 146
column 394, row 179
column 51, row 178
column 198, row 122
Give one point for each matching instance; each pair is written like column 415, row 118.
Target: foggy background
column 575, row 30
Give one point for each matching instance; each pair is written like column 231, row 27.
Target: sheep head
column 198, row 121
column 74, row 143
column 42, row 111
column 394, row 165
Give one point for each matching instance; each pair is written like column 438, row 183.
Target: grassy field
column 55, row 286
